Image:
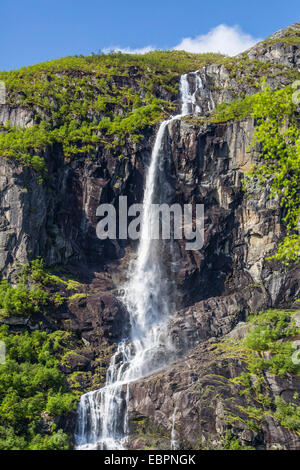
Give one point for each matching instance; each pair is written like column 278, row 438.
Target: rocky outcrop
column 56, row 218
column 216, row 286
column 17, row 116
column 241, row 228
column 197, row 398
column 239, row 77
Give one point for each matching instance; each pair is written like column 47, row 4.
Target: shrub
column 31, row 384
column 277, row 132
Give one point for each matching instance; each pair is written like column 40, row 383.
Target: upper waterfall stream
column 103, row 414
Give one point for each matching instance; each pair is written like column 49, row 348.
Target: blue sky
column 36, row 30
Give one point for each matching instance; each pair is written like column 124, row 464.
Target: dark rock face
column 57, row 218
column 215, row 286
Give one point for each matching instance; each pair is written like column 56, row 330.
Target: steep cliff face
column 204, row 163
column 230, row 278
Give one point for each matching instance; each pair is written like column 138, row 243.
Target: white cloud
column 230, row 40
column 128, row 50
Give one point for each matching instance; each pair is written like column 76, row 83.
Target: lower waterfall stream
column 102, row 415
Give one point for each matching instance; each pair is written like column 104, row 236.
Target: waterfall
column 174, row 434
column 103, row 414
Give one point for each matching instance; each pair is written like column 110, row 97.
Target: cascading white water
column 174, row 434
column 103, row 414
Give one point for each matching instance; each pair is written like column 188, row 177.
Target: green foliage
column 271, row 332
column 81, row 295
column 9, row 440
column 36, row 271
column 237, row 110
column 269, row 327
column 31, row 294
column 23, row 144
column 40, row 279
column 59, row 404
column 230, row 442
column 21, row 300
column 56, row 441
column 31, row 385
column 267, row 348
column 33, row 390
column 292, row 40
column 291, row 37
column 79, row 103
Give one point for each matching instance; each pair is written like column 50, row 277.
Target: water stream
column 103, row 414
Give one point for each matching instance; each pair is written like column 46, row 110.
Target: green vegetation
column 271, row 332
column 247, row 73
column 291, row 40
column 22, row 144
column 267, row 348
column 277, row 132
column 80, row 103
column 36, row 271
column 235, row 110
column 290, row 37
column 287, row 414
column 36, row 291
column 33, row 391
column 230, row 442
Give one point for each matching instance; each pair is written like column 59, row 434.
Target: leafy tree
column 277, row 133
column 31, row 384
